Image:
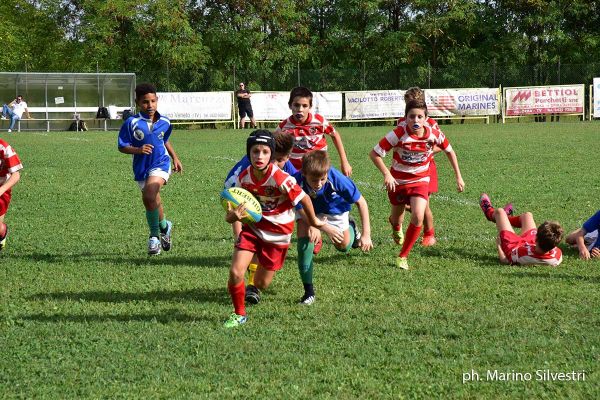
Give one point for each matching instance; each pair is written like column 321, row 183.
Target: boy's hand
column 336, row 235
column 390, row 182
column 460, row 184
column 314, row 235
column 177, row 166
column 146, row 149
column 595, row 253
column 584, row 254
column 365, row 243
column 346, row 169
column 235, row 213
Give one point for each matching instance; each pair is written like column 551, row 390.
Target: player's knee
column 498, row 212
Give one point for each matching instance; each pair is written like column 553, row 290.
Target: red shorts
column 433, row 178
column 270, row 257
column 403, row 194
column 510, row 240
column 4, row 202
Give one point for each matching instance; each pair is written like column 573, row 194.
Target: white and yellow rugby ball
column 236, row 196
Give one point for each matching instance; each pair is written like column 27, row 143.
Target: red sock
column 412, row 234
column 489, row 214
column 515, row 221
column 429, row 232
column 237, row 297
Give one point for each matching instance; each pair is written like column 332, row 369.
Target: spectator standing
column 14, row 111
column 244, row 106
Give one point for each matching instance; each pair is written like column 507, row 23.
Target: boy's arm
column 363, row 209
column 579, row 236
column 388, row 179
column 177, row 166
column 346, row 168
column 145, row 149
column 460, row 184
column 10, row 182
column 335, row 234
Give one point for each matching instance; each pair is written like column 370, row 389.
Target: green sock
column 305, row 259
column 352, row 236
column 152, row 218
column 163, row 224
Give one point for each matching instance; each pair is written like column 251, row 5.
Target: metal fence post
column 298, row 72
column 428, row 74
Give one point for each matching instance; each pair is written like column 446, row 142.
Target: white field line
column 78, row 139
column 223, row 158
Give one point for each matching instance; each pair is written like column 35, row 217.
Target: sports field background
column 84, row 313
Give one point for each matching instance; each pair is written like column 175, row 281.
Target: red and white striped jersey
column 412, row 155
column 308, row 136
column 277, row 193
column 9, row 161
column 524, row 254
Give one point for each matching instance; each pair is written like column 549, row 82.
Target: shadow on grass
column 191, row 261
column 550, row 275
column 460, row 253
column 219, row 296
column 165, row 317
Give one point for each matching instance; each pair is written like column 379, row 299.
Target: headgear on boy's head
column 261, row 136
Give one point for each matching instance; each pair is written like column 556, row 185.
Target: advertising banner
column 462, row 102
column 195, row 105
column 374, row 104
column 328, row 104
column 270, row 106
column 558, row 99
column 596, row 97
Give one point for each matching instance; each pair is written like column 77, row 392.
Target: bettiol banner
column 195, row 105
column 273, row 106
column 374, row 104
column 462, row 102
column 596, row 97
column 562, row 99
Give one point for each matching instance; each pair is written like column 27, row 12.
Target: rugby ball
column 236, row 196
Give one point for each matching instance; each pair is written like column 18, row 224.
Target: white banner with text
column 557, row 99
column 195, row 105
column 596, row 91
column 462, row 102
column 374, row 104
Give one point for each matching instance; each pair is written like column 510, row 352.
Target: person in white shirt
column 14, row 110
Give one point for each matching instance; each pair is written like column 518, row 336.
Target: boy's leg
column 305, row 262
column 151, row 200
column 428, row 230
column 417, row 205
column 396, row 217
column 502, row 221
column 262, row 280
column 236, row 288
column 527, row 222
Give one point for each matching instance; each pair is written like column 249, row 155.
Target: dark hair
column 300, row 91
column 316, row 163
column 261, row 136
column 284, row 142
column 143, row 89
column 414, row 93
column 549, row 234
column 420, row 104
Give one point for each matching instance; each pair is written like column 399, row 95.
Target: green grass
column 84, row 313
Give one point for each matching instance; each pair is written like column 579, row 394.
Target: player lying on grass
column 278, row 194
column 532, row 246
column 407, row 179
column 332, row 195
column 586, row 238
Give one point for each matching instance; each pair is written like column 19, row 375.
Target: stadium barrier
column 544, row 100
column 595, row 99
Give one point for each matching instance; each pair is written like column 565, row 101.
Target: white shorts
column 155, row 172
column 590, row 239
column 340, row 221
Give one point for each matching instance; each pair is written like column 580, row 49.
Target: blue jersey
column 593, row 224
column 335, row 197
column 137, row 131
column 245, row 163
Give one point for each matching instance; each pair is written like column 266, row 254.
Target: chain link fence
column 329, row 79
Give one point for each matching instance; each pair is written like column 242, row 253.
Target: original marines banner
column 558, row 99
column 273, row 106
column 596, row 91
column 374, row 104
column 462, row 102
column 195, row 105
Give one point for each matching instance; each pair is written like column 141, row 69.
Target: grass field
column 84, row 313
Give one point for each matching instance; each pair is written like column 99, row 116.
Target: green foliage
column 84, row 313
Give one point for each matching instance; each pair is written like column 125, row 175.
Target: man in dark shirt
column 244, row 106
